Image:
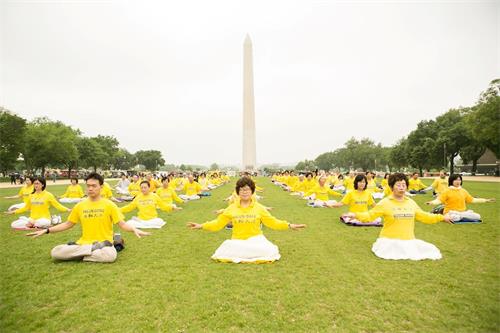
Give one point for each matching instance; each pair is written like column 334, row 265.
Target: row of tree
column 465, row 131
column 43, row 143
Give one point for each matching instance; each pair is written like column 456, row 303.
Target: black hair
column 145, row 182
column 74, row 178
column 244, row 181
column 359, row 178
column 96, row 176
column 454, row 177
column 41, row 180
column 396, row 177
column 165, row 178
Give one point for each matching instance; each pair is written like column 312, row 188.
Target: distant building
column 487, row 164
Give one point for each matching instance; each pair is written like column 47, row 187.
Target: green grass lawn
column 327, row 279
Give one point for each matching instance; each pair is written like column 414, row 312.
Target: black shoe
column 71, row 243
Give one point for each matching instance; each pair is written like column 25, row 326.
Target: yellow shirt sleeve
column 52, row 200
column 130, row 207
column 220, row 222
column 270, row 221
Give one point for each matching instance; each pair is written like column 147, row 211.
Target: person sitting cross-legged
column 248, row 244
column 97, row 217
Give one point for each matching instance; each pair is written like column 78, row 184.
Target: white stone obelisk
column 249, row 150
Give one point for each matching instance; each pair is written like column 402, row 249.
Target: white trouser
column 70, row 200
column 16, row 206
column 189, row 197
column 155, row 223
column 23, row 221
column 120, row 190
column 468, row 214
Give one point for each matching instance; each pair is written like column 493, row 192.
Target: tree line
column 43, row 143
column 434, row 144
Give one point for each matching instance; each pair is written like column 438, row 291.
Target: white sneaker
column 56, row 219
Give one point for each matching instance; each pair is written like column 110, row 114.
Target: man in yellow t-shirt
column 97, row 216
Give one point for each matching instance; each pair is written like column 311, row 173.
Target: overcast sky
column 168, row 75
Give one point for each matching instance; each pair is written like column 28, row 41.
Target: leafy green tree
column 472, row 152
column 151, row 159
column 12, row 131
column 306, row 165
column 90, row 153
column 399, row 154
column 422, row 147
column 49, row 143
column 109, row 145
column 325, row 161
column 214, row 166
column 484, row 119
column 452, row 134
column 124, row 160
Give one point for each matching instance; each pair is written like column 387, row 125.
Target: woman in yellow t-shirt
column 24, row 193
column 38, row 204
column 74, row 193
column 318, row 196
column 455, row 199
column 146, row 203
column 397, row 237
column 247, row 244
column 167, row 193
column 358, row 201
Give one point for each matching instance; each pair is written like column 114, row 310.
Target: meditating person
column 455, row 200
column 122, row 186
column 440, row 184
column 397, row 238
column 167, row 193
column 319, row 194
column 38, row 204
column 359, row 200
column 96, row 216
column 146, row 203
column 248, row 244
column 134, row 188
column 24, row 193
column 74, row 193
column 416, row 186
column 191, row 189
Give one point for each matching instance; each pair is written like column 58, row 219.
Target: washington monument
column 249, row 150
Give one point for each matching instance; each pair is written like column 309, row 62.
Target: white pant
column 378, row 195
column 23, row 221
column 155, row 223
column 189, row 197
column 468, row 214
column 321, row 203
column 16, row 206
column 120, row 190
column 255, row 249
column 70, row 200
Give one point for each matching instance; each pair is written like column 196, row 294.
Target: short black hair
column 164, row 178
column 454, row 177
column 244, row 181
column 145, row 182
column 396, row 177
column 96, row 176
column 74, row 178
column 41, row 180
column 359, row 178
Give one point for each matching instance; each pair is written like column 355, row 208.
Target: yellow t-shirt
column 246, row 221
column 106, row 191
column 168, row 195
column 38, row 204
column 97, row 219
column 322, row 192
column 73, row 191
column 25, row 192
column 349, row 183
column 399, row 217
column 146, row 205
column 358, row 201
column 440, row 184
column 134, row 188
column 455, row 199
column 415, row 184
column 191, row 188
